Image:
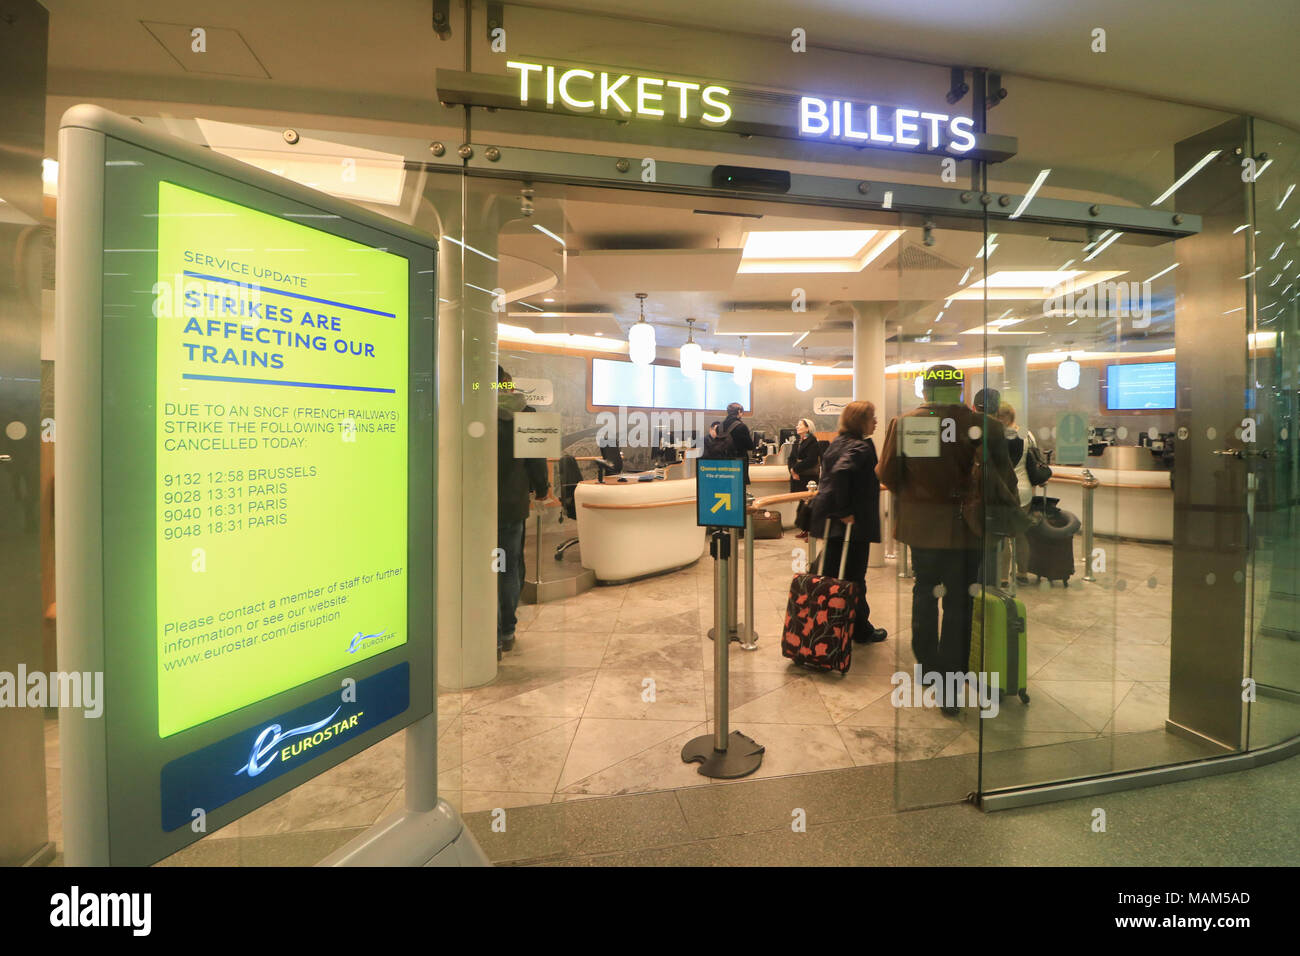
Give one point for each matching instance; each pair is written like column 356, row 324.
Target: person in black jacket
column 738, row 432
column 516, row 477
column 848, row 492
column 805, row 462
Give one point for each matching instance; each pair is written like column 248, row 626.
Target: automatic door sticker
column 921, row 437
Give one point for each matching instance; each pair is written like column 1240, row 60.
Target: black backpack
column 722, row 446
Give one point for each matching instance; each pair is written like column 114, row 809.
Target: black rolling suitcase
column 1051, row 541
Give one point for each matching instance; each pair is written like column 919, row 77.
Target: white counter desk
column 633, row 529
column 1129, row 503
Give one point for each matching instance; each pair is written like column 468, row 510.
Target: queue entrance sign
column 245, row 484
column 720, row 507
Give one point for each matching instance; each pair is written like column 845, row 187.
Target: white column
column 1015, row 381
column 869, row 376
column 467, row 447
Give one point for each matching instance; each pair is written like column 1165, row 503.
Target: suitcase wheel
column 1024, row 696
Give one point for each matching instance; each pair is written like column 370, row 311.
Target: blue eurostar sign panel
column 720, row 492
column 212, row 777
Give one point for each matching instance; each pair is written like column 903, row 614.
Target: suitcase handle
column 844, row 551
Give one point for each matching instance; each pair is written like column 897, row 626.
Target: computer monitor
column 785, row 435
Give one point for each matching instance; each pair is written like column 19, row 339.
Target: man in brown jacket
column 928, row 463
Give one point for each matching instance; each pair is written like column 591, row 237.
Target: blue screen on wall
column 615, row 383
column 1147, row 385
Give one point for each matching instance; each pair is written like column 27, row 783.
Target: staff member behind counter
column 805, row 460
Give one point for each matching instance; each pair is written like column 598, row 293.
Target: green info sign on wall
column 245, row 484
column 282, row 382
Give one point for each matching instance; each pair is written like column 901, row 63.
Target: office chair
column 613, row 463
column 570, row 476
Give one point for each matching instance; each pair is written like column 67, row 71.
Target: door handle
column 1241, row 454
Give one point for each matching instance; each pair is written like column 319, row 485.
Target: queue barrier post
column 749, row 641
column 725, row 754
column 1089, row 486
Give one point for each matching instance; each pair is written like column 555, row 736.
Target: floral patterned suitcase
column 819, row 617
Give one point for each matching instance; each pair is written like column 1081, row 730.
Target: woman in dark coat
column 805, row 456
column 848, row 493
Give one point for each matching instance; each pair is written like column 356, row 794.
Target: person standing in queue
column 1020, row 446
column 927, row 462
column 515, row 478
column 805, row 461
column 998, row 497
column 805, row 464
column 849, row 494
column 736, row 432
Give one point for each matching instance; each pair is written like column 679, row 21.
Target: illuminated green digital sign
column 281, row 442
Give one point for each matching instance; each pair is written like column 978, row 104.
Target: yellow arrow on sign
column 724, row 501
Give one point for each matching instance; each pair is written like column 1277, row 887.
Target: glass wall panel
column 1275, row 604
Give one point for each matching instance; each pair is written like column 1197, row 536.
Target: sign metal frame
column 105, row 538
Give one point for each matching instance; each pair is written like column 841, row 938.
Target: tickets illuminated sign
column 620, row 94
column 872, row 125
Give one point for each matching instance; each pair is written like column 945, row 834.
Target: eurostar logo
column 359, row 638
column 272, row 736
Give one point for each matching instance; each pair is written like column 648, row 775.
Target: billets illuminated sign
column 586, row 91
column 835, row 119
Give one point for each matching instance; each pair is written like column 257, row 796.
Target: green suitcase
column 999, row 641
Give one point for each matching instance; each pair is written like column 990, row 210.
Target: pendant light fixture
column 1067, row 373
column 641, row 338
column 803, row 379
column 744, row 370
column 692, row 355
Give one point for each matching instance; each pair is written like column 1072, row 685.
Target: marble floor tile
column 1043, row 714
column 473, row 801
column 655, row 768
column 795, row 748
column 515, row 680
column 544, row 649
column 484, row 734
column 795, row 702
column 1080, row 662
column 1142, row 662
column 577, row 618
column 641, row 651
column 1093, row 702
column 563, row 698
column 531, row 766
column 876, row 745
column 746, row 686
column 1144, row 707
column 847, row 696
column 618, row 692
column 602, row 742
column 659, row 621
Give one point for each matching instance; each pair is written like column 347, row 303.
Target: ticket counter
column 634, row 529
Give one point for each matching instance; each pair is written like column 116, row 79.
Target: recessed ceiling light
column 549, row 299
column 824, row 250
column 1033, row 284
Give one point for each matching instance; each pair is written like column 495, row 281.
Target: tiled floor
column 603, row 689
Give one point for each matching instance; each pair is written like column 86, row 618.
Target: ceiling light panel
column 813, row 251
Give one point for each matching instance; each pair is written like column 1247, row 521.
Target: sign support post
column 720, row 506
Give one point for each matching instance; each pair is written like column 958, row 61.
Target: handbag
column 1035, row 468
column 803, row 515
column 1005, row 517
